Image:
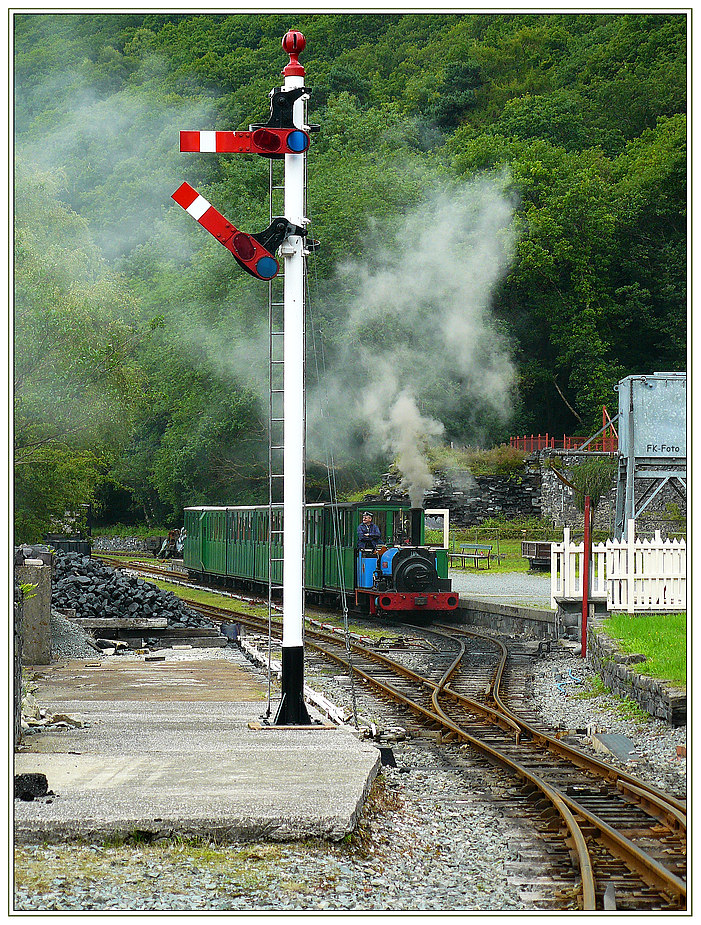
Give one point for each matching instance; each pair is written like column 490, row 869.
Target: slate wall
column 619, row 674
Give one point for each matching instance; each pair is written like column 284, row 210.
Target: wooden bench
column 474, row 551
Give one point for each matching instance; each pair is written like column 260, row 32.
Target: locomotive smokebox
column 415, row 513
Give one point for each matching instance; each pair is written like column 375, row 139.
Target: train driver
column 368, row 533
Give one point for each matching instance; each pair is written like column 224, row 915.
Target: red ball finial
column 293, row 42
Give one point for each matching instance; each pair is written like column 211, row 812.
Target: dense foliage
column 542, row 157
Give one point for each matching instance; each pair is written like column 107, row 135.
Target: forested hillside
column 501, row 206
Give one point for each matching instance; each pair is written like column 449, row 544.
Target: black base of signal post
column 292, row 710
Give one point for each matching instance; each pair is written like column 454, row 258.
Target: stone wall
column 473, row 499
column 557, row 500
column 136, row 544
column 618, row 673
column 509, row 618
column 36, row 613
column 537, row 491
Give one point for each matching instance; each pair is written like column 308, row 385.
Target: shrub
column 500, row 460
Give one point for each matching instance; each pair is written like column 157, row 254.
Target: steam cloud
column 419, row 345
column 415, row 347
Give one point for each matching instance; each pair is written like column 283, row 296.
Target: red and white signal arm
column 269, row 142
column 249, row 253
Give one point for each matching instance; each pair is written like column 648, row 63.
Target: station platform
column 175, row 746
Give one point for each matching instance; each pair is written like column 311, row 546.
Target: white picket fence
column 632, row 575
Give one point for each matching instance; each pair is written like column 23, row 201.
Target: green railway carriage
column 231, row 543
column 206, row 530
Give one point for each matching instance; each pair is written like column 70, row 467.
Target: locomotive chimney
column 415, row 513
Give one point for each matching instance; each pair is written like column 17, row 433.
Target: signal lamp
column 266, row 141
column 267, row 267
column 298, row 142
column 243, row 246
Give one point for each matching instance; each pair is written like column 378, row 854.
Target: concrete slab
column 167, row 750
column 613, row 743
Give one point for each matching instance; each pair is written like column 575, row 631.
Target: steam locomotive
column 236, row 546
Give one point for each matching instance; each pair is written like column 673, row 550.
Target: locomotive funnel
column 415, row 513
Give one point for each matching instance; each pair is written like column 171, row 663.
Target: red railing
column 605, row 442
column 531, row 443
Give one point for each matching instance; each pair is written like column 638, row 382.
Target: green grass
column 594, row 688
column 506, row 553
column 198, row 596
column 660, row 637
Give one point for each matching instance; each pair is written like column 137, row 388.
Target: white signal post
column 292, row 709
column 252, row 254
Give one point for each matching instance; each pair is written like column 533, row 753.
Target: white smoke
column 419, row 343
column 406, row 433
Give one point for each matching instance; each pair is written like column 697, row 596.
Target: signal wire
column 331, row 475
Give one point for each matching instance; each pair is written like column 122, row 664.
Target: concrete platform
column 167, row 749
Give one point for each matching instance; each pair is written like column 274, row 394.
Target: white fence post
column 630, row 571
column 633, row 575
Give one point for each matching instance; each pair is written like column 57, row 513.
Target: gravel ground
column 69, row 640
column 434, row 838
column 566, row 694
column 531, row 589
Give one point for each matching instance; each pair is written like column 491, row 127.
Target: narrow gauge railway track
column 628, row 839
column 631, row 837
column 153, row 571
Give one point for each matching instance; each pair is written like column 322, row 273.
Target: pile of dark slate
column 96, row 590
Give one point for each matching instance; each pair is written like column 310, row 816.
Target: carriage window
column 339, row 528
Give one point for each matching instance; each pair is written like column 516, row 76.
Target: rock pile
column 96, row 590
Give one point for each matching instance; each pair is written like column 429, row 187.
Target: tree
column 586, row 115
column 594, row 477
column 75, row 382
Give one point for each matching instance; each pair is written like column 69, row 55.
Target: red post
column 586, row 572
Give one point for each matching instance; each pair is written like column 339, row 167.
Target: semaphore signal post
column 284, row 135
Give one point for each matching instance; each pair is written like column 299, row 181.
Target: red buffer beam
column 249, row 253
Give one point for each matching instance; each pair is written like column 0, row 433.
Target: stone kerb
column 658, row 698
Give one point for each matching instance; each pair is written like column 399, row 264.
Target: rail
column 582, row 823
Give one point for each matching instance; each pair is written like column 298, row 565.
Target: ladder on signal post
column 276, row 436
